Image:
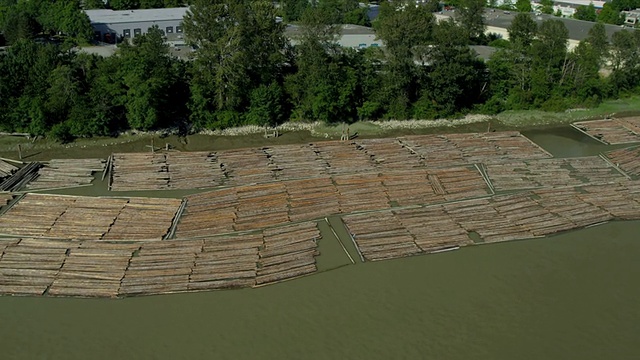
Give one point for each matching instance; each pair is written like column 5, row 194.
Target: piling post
column 19, row 152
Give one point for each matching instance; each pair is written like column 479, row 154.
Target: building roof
column 347, row 29
column 108, row 16
column 596, row 4
column 578, row 29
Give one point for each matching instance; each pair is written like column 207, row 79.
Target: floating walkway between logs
column 89, row 218
column 253, row 207
column 628, row 160
column 64, row 173
column 611, row 131
column 103, row 269
column 396, row 233
column 175, row 170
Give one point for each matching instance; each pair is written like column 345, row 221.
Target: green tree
column 93, row 4
column 124, row 4
column 19, row 22
column 610, row 15
column 549, row 56
column 147, row 73
column 240, row 47
column 472, row 20
column 546, row 6
column 455, row 75
column 292, row 10
column 324, row 87
column 522, row 30
column 625, row 60
column 407, row 32
column 599, row 42
column 523, row 6
column 266, row 105
column 586, row 13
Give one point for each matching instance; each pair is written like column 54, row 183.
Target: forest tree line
column 245, row 71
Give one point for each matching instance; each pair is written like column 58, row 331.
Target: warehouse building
column 113, row 25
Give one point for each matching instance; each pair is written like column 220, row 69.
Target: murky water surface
column 570, row 296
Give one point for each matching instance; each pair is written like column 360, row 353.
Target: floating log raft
column 163, row 171
column 611, row 131
column 441, row 151
column 534, row 173
column 253, row 207
column 6, row 169
column 287, row 252
column 628, row 160
column 433, row 229
column 102, row 269
column 226, row 262
column 386, row 234
column 61, row 173
column 89, row 218
column 296, row 162
column 621, row 200
column 360, row 192
column 175, row 170
column 390, row 155
column 381, row 236
column 162, row 267
column 21, row 177
column 412, row 188
column 345, row 158
column 247, row 166
column 29, row 267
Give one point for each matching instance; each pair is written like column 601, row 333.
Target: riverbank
column 297, row 133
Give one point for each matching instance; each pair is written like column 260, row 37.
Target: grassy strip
column 251, row 136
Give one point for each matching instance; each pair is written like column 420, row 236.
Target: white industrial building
column 112, row 25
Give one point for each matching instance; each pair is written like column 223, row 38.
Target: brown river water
column 569, row 296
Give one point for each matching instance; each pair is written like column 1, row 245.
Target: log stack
column 165, row 171
column 288, row 252
column 611, row 131
column 312, row 199
column 535, row 173
column 381, row 236
column 432, row 228
column 105, row 269
column 628, row 160
column 390, row 155
column 361, row 192
column 89, row 218
column 226, row 262
column 61, row 173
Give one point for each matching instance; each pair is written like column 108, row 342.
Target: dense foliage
column 610, row 13
column 20, row 19
column 246, row 72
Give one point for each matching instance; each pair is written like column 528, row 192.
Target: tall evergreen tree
column 240, row 47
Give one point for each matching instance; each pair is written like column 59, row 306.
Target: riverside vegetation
column 245, row 71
